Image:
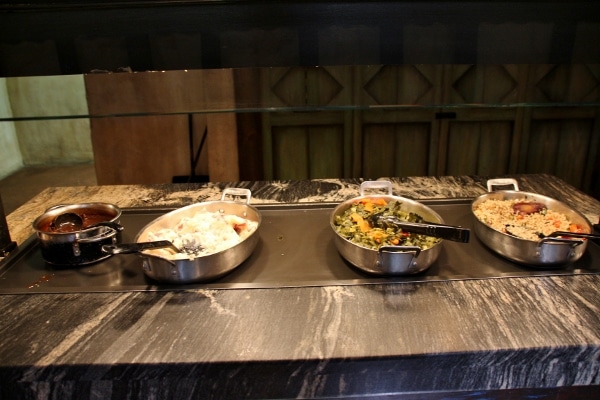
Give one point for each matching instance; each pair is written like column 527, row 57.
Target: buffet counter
column 502, row 337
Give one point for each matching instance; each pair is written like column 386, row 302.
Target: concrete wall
column 47, row 141
column 10, row 154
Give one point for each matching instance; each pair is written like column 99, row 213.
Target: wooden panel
column 483, row 84
column 326, row 152
column 140, row 150
column 573, row 150
column 223, row 163
column 543, row 147
column 396, row 150
column 412, row 150
column 494, row 148
column 561, row 148
column 307, row 152
column 378, row 150
column 479, row 148
column 320, row 141
column 477, row 140
column 463, row 145
column 327, row 142
column 149, row 92
column 249, row 125
column 165, row 92
column 398, row 84
column 290, row 153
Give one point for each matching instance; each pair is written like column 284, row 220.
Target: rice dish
column 504, row 216
column 205, row 233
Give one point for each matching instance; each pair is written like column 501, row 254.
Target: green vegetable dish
column 355, row 226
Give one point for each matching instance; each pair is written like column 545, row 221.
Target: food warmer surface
column 295, row 249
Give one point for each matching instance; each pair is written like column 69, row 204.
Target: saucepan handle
column 502, row 182
column 390, row 257
column 237, row 192
column 372, row 185
column 112, row 229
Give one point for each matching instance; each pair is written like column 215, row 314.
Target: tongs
column 558, row 236
column 449, row 232
column 570, row 235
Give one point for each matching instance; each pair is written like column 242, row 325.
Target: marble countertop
column 429, row 337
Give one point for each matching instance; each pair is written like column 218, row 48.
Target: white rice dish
column 500, row 215
column 205, row 232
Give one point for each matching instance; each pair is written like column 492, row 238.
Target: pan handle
column 387, row 259
column 502, row 182
column 128, row 248
column 571, row 242
column 112, row 228
column 237, row 192
column 55, row 207
column 367, row 185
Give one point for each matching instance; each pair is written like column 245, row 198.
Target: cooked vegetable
column 353, row 225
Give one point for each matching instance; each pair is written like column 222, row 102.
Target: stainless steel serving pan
column 550, row 252
column 208, row 267
column 387, row 260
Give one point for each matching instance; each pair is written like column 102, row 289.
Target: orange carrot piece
column 575, row 228
column 362, row 224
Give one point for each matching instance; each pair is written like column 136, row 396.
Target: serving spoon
column 449, row 232
column 71, row 222
column 128, row 248
column 67, row 222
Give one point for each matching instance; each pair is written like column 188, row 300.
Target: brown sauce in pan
column 89, row 219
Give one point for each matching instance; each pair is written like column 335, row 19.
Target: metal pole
column 6, row 244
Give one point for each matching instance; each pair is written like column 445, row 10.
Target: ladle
column 449, row 232
column 128, row 248
column 71, row 222
column 67, row 222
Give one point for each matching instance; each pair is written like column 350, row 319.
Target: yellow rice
column 499, row 214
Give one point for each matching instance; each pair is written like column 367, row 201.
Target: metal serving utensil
column 571, row 234
column 128, row 248
column 449, row 232
column 67, row 222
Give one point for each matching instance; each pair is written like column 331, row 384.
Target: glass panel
column 379, row 87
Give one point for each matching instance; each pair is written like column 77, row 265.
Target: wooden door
column 563, row 140
column 486, row 120
column 481, row 138
column 392, row 141
column 300, row 144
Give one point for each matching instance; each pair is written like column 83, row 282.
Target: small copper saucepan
column 69, row 246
